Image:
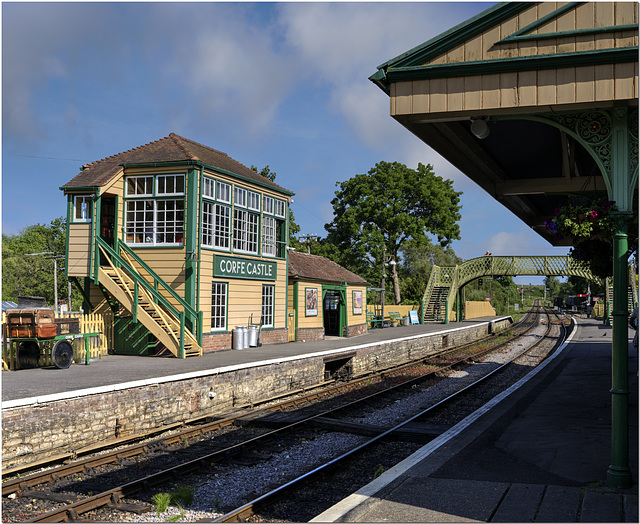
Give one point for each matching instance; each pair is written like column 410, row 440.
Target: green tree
column 377, row 213
column 294, row 228
column 417, row 260
column 25, row 272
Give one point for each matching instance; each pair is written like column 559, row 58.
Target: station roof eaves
column 304, row 266
column 173, row 149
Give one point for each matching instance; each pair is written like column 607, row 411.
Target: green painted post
column 446, row 311
column 191, row 240
column 182, row 327
column 135, row 301
column 619, row 474
column 86, row 350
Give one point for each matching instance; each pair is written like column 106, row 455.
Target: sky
column 278, row 84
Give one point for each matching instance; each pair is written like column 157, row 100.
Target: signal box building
column 183, row 243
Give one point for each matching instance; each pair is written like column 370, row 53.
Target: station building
column 325, row 299
column 183, row 243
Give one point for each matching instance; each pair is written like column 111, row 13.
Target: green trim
column 199, row 260
column 344, row 321
column 562, row 34
column 66, row 240
column 226, row 328
column 457, row 35
column 541, row 21
column 69, row 190
column 198, row 163
column 507, row 65
column 296, row 292
column 190, row 240
column 95, row 259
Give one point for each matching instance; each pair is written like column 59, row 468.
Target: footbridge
column 445, row 283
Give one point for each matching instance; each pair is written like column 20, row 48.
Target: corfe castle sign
column 231, row 267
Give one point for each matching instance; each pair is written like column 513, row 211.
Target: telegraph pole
column 308, row 240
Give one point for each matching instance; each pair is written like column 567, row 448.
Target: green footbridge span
column 443, row 291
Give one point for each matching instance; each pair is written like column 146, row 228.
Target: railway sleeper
column 49, row 496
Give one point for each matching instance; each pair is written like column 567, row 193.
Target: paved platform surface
column 539, row 455
column 121, row 369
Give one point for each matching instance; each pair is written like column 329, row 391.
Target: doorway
column 333, row 312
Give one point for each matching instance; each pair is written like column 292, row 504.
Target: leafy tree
column 294, row 228
column 24, row 274
column 417, row 260
column 377, row 213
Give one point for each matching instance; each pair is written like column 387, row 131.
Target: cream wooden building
column 183, row 243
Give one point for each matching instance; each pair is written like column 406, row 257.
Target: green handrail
column 139, row 280
column 157, row 281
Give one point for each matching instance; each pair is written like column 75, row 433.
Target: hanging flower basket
column 584, row 218
column 589, row 224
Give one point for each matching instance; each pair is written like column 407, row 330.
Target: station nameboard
column 248, row 268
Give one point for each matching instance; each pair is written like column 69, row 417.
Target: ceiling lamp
column 480, row 128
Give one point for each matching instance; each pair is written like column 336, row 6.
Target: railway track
column 257, row 448
column 297, row 500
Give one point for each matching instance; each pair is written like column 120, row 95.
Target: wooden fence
column 91, row 323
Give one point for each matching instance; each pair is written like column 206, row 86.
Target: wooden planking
column 352, row 319
column 79, row 249
column 570, row 85
column 589, row 15
column 169, row 265
column 244, row 296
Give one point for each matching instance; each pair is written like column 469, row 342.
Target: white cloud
column 341, row 44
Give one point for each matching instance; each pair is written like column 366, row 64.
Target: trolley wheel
column 28, row 354
column 62, row 354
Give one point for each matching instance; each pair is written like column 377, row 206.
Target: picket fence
column 99, row 346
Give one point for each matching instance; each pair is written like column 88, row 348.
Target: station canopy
column 522, row 98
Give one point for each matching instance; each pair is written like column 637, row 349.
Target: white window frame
column 216, row 225
column 149, row 179
column 175, row 177
column 86, row 212
column 151, row 229
column 209, row 188
column 219, row 290
column 140, row 224
column 280, row 208
column 223, row 192
column 239, row 197
column 268, row 304
column 245, row 231
column 253, row 201
column 269, row 236
column 267, row 205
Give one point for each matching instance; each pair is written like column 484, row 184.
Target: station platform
column 540, row 454
column 50, row 383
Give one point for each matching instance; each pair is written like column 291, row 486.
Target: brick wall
column 44, row 430
column 354, row 331
column 274, row 336
column 309, row 334
column 216, row 341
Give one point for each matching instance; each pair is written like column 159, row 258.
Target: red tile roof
column 172, row 148
column 312, row 267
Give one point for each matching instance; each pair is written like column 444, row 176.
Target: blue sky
column 278, row 84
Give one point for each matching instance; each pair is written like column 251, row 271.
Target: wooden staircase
column 128, row 288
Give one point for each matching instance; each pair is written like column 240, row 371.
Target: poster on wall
column 311, row 301
column 357, row 302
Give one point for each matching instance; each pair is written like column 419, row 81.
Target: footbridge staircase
column 445, row 282
column 150, row 300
